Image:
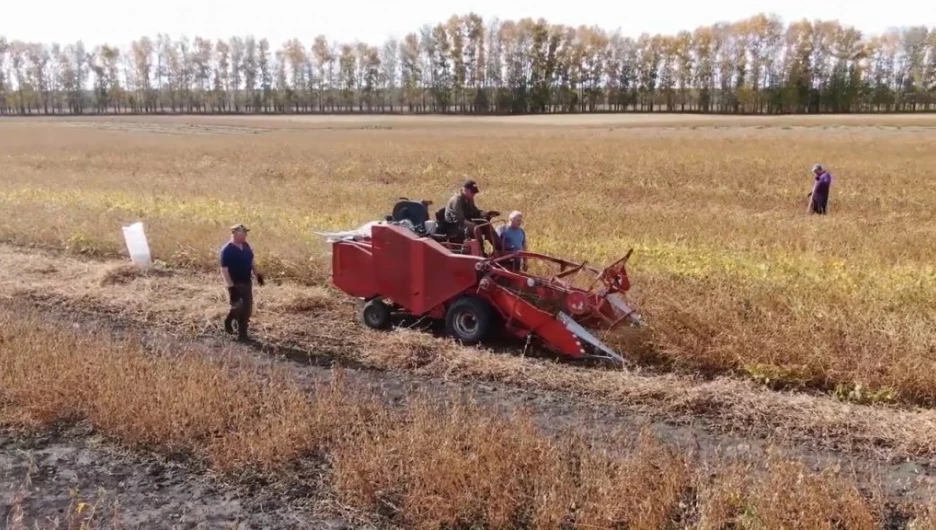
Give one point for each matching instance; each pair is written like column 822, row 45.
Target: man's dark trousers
column 241, row 308
column 820, row 203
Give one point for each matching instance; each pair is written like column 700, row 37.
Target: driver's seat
column 443, row 228
column 415, row 212
column 412, row 211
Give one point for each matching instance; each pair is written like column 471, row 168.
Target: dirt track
column 139, row 491
column 160, row 494
column 717, row 420
column 313, row 324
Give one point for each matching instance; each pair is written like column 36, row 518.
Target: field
column 768, row 327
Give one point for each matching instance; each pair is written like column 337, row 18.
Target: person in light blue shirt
column 513, row 238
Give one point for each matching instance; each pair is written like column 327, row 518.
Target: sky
column 373, row 21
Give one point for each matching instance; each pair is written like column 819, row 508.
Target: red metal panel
column 353, row 269
column 521, row 314
column 419, row 273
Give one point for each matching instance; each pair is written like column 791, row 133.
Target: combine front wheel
column 469, row 320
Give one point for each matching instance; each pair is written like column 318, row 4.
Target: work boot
column 242, row 332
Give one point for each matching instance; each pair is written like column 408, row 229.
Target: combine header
column 407, row 265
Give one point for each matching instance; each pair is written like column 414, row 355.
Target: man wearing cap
column 819, row 196
column 237, row 266
column 461, row 210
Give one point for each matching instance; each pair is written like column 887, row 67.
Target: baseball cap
column 239, row 228
column 472, row 185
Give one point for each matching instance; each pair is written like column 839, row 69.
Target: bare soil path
column 312, row 332
column 38, row 478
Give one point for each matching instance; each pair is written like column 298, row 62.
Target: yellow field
column 428, row 465
column 729, row 270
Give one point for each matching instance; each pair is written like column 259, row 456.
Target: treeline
column 465, row 65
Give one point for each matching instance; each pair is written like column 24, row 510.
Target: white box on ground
column 137, row 245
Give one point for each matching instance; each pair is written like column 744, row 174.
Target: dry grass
column 925, row 519
column 789, row 497
column 732, row 274
column 425, row 465
column 324, row 325
column 179, row 403
column 430, row 471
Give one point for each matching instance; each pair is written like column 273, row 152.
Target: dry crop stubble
column 728, row 268
column 188, row 304
column 433, row 462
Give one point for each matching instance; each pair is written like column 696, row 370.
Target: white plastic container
column 137, row 245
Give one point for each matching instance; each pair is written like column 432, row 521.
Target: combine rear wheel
column 469, row 320
column 376, row 314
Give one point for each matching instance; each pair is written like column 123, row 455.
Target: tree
column 347, row 64
column 237, row 53
column 466, row 64
column 911, row 67
column 37, row 55
column 165, row 81
column 440, row 49
column 325, row 61
column 299, row 85
column 410, row 72
column 266, row 75
column 682, row 50
column 388, row 75
column 142, row 51
column 221, row 75
column 474, row 61
column 929, row 71
column 251, row 74
column 4, row 82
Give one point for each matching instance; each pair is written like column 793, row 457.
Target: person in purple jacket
column 819, row 196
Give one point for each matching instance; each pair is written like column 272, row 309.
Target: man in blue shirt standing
column 513, row 239
column 237, row 266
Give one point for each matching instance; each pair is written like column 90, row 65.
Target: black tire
column 376, row 314
column 469, row 320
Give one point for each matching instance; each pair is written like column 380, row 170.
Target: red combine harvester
column 407, row 266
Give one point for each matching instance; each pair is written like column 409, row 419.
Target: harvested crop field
column 769, row 328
